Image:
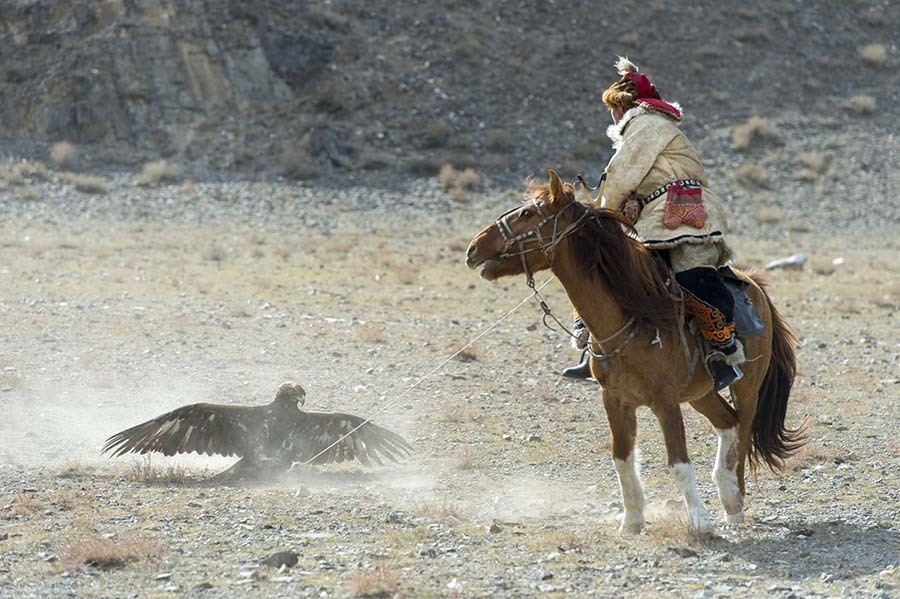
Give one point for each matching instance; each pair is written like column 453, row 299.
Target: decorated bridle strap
column 535, row 232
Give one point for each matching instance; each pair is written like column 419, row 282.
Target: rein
column 547, row 248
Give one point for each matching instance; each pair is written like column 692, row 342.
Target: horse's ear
column 556, row 186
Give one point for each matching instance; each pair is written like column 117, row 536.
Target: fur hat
column 645, row 92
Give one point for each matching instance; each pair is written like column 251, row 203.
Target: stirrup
column 582, row 371
column 724, row 375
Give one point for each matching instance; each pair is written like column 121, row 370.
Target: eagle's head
column 291, row 394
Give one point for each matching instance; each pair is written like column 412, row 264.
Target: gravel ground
column 118, row 306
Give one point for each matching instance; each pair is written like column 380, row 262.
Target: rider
column 656, row 180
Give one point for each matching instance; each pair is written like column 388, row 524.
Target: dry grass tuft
column 407, row 274
column 812, row 165
column 752, row 176
column 440, row 510
column 28, row 193
column 463, row 180
column 85, row 183
column 757, row 128
column 62, row 154
column 862, row 104
column 466, row 354
column 379, row 582
column 498, row 141
column 370, row 333
column 458, row 412
column 768, row 214
column 144, row 471
column 813, row 454
column 23, row 504
column 100, row 552
column 873, row 54
column 462, row 459
column 436, row 135
column 158, row 172
column 73, row 468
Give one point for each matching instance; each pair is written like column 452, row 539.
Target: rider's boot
column 711, row 304
column 582, row 370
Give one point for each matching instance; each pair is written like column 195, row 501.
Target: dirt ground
column 105, row 322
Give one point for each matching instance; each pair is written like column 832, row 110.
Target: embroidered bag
column 684, row 205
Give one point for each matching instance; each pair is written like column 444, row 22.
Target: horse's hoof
column 699, row 523
column 631, row 525
column 737, row 518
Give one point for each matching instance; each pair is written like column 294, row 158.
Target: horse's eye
column 526, row 213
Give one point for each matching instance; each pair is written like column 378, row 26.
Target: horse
column 640, row 354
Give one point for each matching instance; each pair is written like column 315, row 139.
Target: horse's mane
column 607, row 247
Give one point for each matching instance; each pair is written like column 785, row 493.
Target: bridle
column 533, row 234
column 548, row 247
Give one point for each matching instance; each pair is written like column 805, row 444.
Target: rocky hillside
column 331, row 88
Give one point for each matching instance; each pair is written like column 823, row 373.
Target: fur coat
column 651, row 151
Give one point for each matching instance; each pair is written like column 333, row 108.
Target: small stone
column 280, row 558
column 203, row 586
column 494, row 528
column 4, row 536
column 302, row 491
column 164, row 576
column 533, row 437
column 395, row 518
column 428, row 550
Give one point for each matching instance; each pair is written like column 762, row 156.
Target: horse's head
column 523, row 240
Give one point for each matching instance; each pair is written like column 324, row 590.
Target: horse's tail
column 772, row 442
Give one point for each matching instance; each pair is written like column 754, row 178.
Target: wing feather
column 203, row 428
column 369, row 443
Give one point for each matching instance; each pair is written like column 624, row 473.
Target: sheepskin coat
column 651, row 151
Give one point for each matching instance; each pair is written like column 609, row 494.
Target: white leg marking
column 725, row 477
column 632, row 493
column 698, row 519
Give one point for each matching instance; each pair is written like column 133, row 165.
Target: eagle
column 267, row 438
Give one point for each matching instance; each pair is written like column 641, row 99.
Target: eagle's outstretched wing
column 369, row 443
column 202, row 428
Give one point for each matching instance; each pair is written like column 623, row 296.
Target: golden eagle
column 275, row 435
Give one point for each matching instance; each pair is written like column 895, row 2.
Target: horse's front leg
column 672, row 424
column 623, row 426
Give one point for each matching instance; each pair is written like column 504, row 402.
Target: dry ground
column 104, row 323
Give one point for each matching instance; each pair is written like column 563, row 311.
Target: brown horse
column 638, row 355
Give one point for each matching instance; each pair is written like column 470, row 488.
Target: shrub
column 379, row 582
column 28, row 194
column 756, row 128
column 498, row 141
column 873, row 54
column 62, row 154
column 463, row 180
column 862, row 104
column 436, row 135
column 752, row 176
column 159, row 171
column 101, row 552
column 84, row 183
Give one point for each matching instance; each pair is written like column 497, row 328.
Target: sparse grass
column 862, row 104
column 73, row 468
column 23, row 504
column 442, row 509
column 85, row 183
column 768, row 214
column 498, row 141
column 100, row 552
column 62, row 154
column 756, row 129
column 159, row 172
column 466, row 354
column 370, row 333
column 28, row 193
column 752, row 176
column 436, row 135
column 379, row 582
column 144, row 471
column 190, row 191
column 215, row 253
column 407, row 274
column 462, row 459
column 812, row 454
column 422, row 166
column 458, row 412
column 873, row 54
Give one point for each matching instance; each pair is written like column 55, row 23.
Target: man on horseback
column 656, row 180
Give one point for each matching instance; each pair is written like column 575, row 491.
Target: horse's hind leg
column 623, row 426
column 672, row 424
column 725, row 420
